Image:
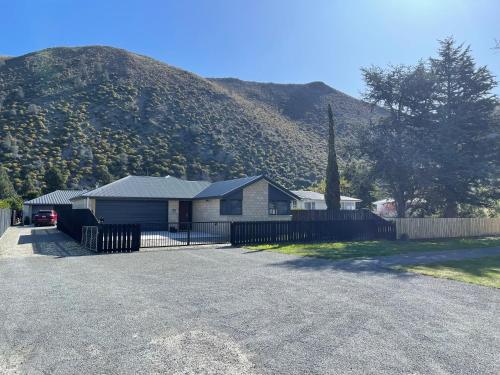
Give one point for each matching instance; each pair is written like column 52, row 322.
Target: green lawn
column 367, row 249
column 482, row 271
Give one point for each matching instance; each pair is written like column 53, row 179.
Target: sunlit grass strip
column 367, row 249
column 482, row 271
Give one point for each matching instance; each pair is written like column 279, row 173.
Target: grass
column 367, row 249
column 482, row 271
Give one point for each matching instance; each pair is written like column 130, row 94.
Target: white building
column 385, row 207
column 311, row 200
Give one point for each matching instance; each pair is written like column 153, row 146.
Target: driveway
column 231, row 311
column 34, row 241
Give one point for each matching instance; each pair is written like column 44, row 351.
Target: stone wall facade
column 173, row 211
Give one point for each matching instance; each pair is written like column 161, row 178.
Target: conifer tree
column 462, row 148
column 332, row 190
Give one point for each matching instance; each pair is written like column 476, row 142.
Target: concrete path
column 230, row 311
column 26, row 241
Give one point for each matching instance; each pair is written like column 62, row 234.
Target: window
column 310, row 205
column 279, row 202
column 294, row 204
column 279, row 208
column 231, row 207
column 347, row 206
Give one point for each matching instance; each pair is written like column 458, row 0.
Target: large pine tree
column 396, row 144
column 463, row 150
column 332, row 190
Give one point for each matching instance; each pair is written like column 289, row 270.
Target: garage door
column 132, row 211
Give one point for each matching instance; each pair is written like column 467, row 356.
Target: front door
column 185, row 214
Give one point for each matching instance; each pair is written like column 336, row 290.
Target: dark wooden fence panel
column 71, row 221
column 5, row 219
column 118, row 237
column 326, row 215
column 261, row 232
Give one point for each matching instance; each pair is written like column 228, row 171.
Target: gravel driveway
column 230, row 311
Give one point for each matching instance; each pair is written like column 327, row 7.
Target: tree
column 28, row 188
column 54, row 180
column 8, row 195
column 464, row 150
column 6, row 187
column 102, row 175
column 396, row 144
column 332, row 189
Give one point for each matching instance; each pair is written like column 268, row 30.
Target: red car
column 45, row 217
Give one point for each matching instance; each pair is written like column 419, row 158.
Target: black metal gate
column 185, row 234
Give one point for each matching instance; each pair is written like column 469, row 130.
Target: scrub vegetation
column 94, row 114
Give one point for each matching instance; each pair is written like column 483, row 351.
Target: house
column 385, row 208
column 163, row 200
column 52, row 201
column 311, row 200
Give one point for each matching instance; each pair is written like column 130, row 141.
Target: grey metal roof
column 144, row 187
column 149, row 188
column 56, row 197
column 221, row 188
column 306, row 194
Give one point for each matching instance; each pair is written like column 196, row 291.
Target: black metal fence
column 185, row 234
column 111, row 237
column 71, row 221
column 118, row 237
column 327, row 215
column 258, row 232
column 5, row 219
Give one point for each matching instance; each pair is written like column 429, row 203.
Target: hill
column 98, row 113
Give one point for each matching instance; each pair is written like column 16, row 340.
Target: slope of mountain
column 305, row 103
column 99, row 113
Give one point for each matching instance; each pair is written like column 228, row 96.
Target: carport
column 57, row 200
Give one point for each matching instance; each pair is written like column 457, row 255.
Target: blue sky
column 271, row 41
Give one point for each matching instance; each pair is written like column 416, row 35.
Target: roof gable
column 221, row 189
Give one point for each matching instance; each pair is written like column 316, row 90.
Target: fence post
column 100, row 238
column 188, row 235
column 137, row 237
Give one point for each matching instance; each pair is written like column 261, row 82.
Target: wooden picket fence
column 5, row 219
column 428, row 228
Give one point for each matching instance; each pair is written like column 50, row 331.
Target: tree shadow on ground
column 52, row 242
column 365, row 266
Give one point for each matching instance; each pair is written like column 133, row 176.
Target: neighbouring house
column 163, row 200
column 56, row 200
column 311, row 200
column 385, row 207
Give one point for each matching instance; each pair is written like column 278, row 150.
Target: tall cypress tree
column 332, row 191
